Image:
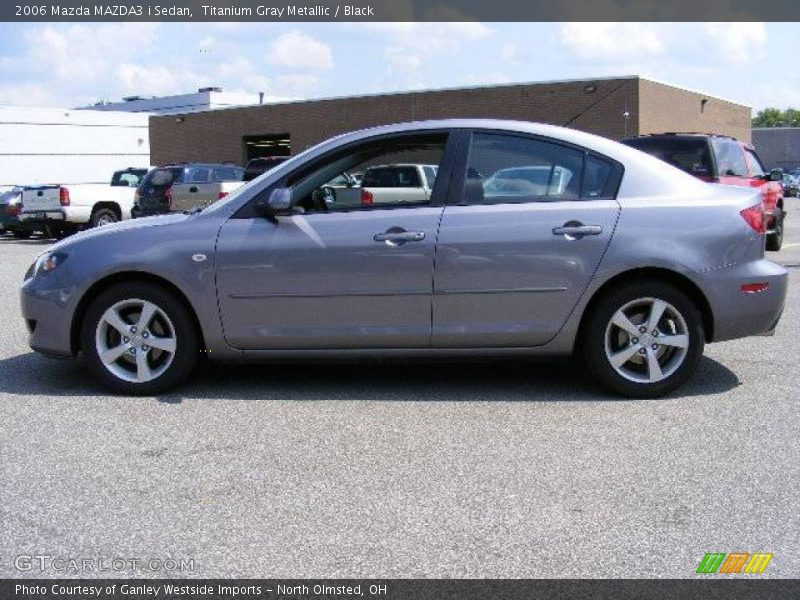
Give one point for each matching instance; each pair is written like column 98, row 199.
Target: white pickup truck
column 382, row 184
column 60, row 210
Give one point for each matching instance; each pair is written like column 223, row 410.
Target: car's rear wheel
column 775, row 239
column 104, row 216
column 139, row 339
column 644, row 339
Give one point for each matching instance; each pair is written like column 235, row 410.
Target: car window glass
column 227, row 174
column 164, row 177
column 199, row 175
column 430, row 175
column 392, row 175
column 756, row 168
column 730, row 158
column 595, row 177
column 504, row 168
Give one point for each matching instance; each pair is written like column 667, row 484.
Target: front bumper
column 48, row 311
column 737, row 314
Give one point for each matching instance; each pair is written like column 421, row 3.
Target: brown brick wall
column 665, row 108
column 217, row 135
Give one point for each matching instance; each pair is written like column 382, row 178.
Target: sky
column 75, row 64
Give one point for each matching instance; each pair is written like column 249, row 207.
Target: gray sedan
column 609, row 254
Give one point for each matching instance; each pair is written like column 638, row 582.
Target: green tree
column 775, row 117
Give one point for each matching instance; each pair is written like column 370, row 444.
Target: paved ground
column 442, row 470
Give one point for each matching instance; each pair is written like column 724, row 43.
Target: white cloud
column 604, row 42
column 298, row 50
column 738, row 43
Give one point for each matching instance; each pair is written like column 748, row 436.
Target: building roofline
column 694, row 91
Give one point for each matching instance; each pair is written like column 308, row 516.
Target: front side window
column 393, row 175
column 507, row 168
column 730, row 158
column 756, row 168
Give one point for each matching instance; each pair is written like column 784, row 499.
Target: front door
column 520, row 241
column 333, row 276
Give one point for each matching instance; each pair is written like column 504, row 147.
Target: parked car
column 619, row 266
column 62, row 209
column 178, row 188
column 259, row 166
column 791, row 186
column 397, row 183
column 10, row 207
column 725, row 160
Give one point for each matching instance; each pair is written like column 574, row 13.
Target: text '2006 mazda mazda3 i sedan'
column 533, row 240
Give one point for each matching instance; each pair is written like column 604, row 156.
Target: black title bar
column 401, row 10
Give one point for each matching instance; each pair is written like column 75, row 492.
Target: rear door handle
column 577, row 230
column 395, row 238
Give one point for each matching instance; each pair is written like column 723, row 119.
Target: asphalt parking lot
column 492, row 469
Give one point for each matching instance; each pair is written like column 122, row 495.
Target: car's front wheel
column 644, row 339
column 139, row 338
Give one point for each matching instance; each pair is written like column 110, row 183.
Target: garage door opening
column 272, row 144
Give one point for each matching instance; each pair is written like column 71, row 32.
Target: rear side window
column 163, row 177
column 691, row 155
column 730, row 157
column 505, row 168
column 199, row 175
column 430, row 175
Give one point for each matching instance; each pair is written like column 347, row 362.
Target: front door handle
column 576, row 230
column 397, row 236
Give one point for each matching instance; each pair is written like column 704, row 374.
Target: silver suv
column 535, row 240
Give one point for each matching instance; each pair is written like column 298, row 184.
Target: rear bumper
column 63, row 217
column 738, row 314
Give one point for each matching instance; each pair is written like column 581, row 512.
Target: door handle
column 395, row 238
column 575, row 230
column 193, row 189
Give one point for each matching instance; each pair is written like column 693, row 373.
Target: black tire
column 103, row 216
column 22, row 234
column 187, row 341
column 593, row 339
column 775, row 240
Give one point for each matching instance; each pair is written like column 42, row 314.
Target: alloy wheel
column 646, row 340
column 135, row 340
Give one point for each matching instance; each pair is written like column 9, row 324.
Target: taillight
column 137, row 198
column 221, row 195
column 754, row 215
column 366, row 198
column 63, row 196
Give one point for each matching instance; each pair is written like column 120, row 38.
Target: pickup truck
column 60, row 210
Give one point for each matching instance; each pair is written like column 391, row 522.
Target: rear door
column 512, row 261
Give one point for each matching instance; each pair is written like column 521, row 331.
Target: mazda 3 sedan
column 607, row 253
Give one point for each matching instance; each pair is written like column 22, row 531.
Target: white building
column 53, row 145
column 209, row 98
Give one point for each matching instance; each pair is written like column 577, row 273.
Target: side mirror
column 279, row 201
column 776, row 175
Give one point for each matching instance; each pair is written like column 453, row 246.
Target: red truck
column 724, row 160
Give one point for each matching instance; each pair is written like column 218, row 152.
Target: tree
column 775, row 117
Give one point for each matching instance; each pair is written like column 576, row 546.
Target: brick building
column 613, row 107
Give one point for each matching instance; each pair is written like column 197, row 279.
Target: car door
column 512, row 261
column 351, row 277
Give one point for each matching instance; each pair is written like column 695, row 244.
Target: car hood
column 115, row 229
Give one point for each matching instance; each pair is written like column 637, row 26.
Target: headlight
column 47, row 262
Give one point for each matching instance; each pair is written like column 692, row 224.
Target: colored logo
column 735, row 562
